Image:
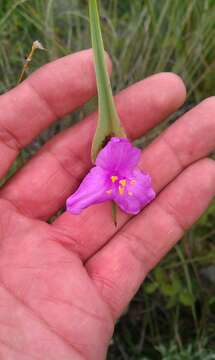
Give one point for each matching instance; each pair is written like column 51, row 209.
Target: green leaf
column 172, row 302
column 176, row 282
column 160, row 275
column 186, row 298
column 211, row 301
column 108, row 120
column 168, row 289
column 150, row 288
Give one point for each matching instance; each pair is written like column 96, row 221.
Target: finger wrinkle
column 43, row 100
column 75, row 177
column 175, row 153
column 106, row 287
column 21, row 210
column 75, row 306
column 8, row 138
column 4, row 202
column 41, row 319
column 60, row 235
column 140, row 249
column 16, row 350
column 170, row 211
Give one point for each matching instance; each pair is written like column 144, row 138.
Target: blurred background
column 173, row 315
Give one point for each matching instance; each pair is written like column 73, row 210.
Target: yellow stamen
column 123, row 182
column 121, row 190
column 114, row 178
column 109, row 191
column 130, row 193
column 133, row 182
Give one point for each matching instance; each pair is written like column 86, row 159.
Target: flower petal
column 93, row 190
column 119, row 156
column 137, row 193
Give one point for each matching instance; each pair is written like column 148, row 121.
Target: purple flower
column 115, row 177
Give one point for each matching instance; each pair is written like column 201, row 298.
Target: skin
column 63, row 286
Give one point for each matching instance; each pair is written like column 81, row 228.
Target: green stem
column 189, row 283
column 108, row 120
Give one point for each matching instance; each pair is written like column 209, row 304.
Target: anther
column 123, row 182
column 121, row 190
column 114, row 178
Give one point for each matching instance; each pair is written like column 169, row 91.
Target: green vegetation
column 173, row 314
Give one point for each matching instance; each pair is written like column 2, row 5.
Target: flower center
column 120, row 185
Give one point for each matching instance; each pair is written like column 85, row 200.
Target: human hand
column 62, row 286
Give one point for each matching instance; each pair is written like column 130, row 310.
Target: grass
column 173, row 314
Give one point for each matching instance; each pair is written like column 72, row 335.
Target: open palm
column 62, row 286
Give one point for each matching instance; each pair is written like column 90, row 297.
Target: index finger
column 51, row 92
